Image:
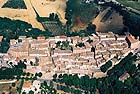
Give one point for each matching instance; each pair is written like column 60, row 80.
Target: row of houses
column 52, row 55
column 93, row 52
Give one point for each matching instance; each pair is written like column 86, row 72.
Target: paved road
column 128, row 8
column 7, row 82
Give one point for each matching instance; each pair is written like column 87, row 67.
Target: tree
column 106, row 66
column 31, row 92
column 39, row 74
column 80, row 44
column 71, row 7
column 23, row 92
column 89, row 40
column 54, row 77
column 91, row 29
column 4, row 46
column 13, row 84
column 47, row 89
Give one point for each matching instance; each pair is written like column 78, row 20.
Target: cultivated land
column 113, row 22
column 133, row 4
column 43, row 8
column 27, row 15
column 2, row 2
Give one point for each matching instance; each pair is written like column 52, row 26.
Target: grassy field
column 133, row 4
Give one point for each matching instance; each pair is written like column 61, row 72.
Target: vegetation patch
column 53, row 27
column 64, row 45
column 7, row 88
column 111, row 84
column 12, row 29
column 132, row 3
column 131, row 20
column 107, row 15
column 51, row 23
column 15, row 4
column 79, row 14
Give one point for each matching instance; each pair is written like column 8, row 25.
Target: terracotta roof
column 62, row 51
column 22, row 37
column 63, row 37
column 131, row 38
column 27, row 84
column 1, row 37
column 41, row 38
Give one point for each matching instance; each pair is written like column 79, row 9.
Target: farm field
column 108, row 22
column 43, row 8
column 53, row 27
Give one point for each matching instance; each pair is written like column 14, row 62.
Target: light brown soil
column 114, row 23
column 79, row 25
column 43, row 8
column 2, row 2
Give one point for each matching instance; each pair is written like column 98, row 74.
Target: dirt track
column 32, row 15
column 44, row 8
column 2, row 2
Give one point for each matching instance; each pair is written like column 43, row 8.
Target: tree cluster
column 111, row 84
column 130, row 19
column 71, row 6
column 64, row 45
column 16, row 4
column 91, row 29
column 12, row 29
column 12, row 73
column 106, row 66
column 47, row 88
column 52, row 17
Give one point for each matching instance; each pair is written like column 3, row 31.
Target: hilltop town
column 67, row 55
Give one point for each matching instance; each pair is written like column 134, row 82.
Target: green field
column 128, row 3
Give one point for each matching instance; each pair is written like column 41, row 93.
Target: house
column 1, row 37
column 22, row 37
column 18, row 52
column 41, row 38
column 26, row 86
column 124, row 77
column 59, row 52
